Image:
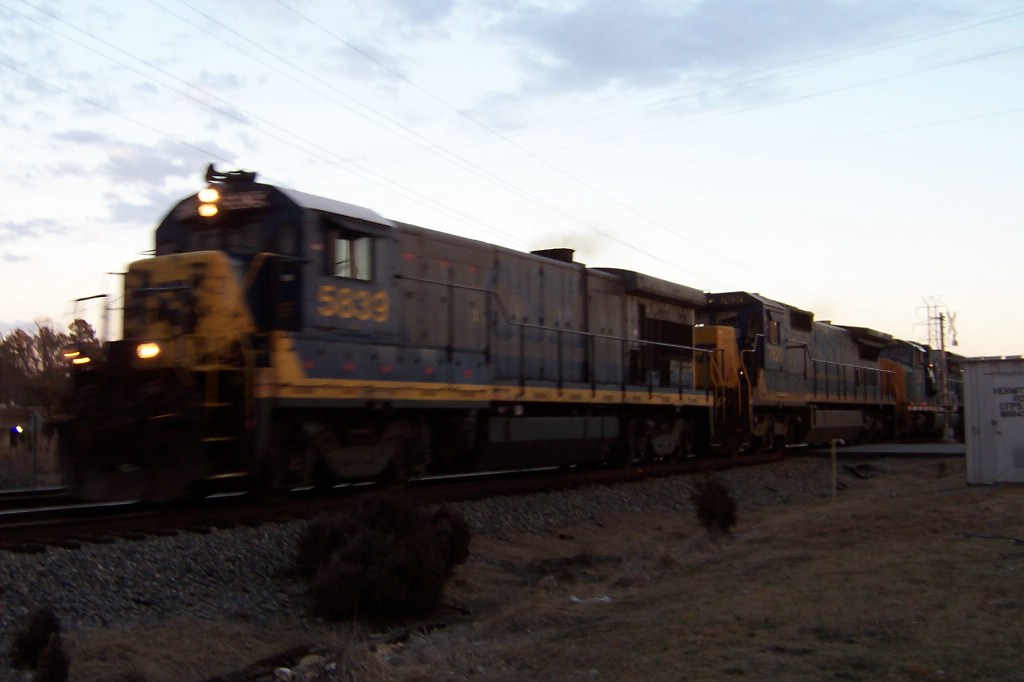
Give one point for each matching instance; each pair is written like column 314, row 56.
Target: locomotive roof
column 245, row 180
column 634, row 282
column 868, row 337
column 733, row 298
column 640, row 283
column 922, row 347
column 318, row 203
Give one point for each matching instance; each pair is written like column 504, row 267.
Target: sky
column 862, row 160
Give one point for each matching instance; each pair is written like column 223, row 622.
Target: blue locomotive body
column 306, row 340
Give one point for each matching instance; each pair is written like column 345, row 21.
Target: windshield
column 244, row 240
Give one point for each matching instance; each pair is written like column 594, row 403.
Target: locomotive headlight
column 75, row 356
column 145, row 351
column 208, row 199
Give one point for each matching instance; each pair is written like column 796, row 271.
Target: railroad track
column 33, row 528
column 28, row 498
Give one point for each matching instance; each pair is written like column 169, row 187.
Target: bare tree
column 33, row 370
column 16, row 350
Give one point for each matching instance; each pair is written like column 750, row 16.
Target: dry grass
column 21, row 468
column 910, row 575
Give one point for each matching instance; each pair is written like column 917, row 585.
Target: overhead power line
column 319, row 151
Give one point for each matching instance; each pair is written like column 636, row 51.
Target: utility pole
column 936, row 321
column 103, row 330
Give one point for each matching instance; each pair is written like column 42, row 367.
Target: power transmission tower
column 938, row 321
column 940, row 324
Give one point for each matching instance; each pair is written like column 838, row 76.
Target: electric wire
column 281, row 135
column 504, row 138
column 605, row 195
column 776, row 72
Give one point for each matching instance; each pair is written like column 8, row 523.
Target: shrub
column 385, row 559
column 31, row 643
column 52, row 665
column 714, row 505
column 453, row 535
column 319, row 539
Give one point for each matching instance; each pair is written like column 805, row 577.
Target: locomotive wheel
column 171, row 472
column 730, row 443
column 773, row 442
column 684, row 447
column 670, row 439
column 407, row 459
column 397, row 473
column 635, row 444
column 296, row 460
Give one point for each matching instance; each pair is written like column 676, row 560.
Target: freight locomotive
column 279, row 339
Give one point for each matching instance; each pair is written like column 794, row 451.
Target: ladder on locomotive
column 718, row 386
column 227, row 418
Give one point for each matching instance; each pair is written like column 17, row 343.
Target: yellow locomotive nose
column 185, row 310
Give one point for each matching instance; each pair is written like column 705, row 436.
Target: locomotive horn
column 213, row 175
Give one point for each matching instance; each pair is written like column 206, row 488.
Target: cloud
column 597, row 43
column 11, row 230
column 425, row 11
column 155, row 174
column 155, row 165
column 218, row 81
column 8, row 326
column 153, row 205
column 35, row 86
column 87, row 137
column 159, row 164
column 8, row 257
column 145, row 87
column 148, row 178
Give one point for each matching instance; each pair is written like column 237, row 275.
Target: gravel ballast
column 239, row 573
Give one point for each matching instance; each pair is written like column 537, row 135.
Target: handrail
column 844, row 381
column 560, row 331
column 745, row 373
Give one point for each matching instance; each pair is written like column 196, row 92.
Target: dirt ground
column 907, row 575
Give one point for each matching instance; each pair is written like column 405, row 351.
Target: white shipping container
column 994, row 415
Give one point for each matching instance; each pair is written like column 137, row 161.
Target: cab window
column 773, row 330
column 244, row 239
column 350, row 255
